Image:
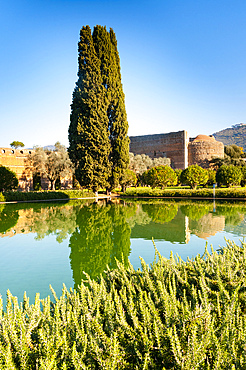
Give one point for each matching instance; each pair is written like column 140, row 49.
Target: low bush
column 174, row 315
column 45, row 195
column 2, row 197
column 186, row 193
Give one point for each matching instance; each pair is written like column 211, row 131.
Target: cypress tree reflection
column 102, row 234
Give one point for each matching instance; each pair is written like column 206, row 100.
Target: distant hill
column 233, row 135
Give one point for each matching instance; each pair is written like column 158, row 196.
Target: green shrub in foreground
column 174, row 315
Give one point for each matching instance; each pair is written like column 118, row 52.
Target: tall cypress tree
column 88, row 134
column 106, row 49
column 99, row 63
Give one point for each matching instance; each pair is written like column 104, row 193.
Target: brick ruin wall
column 16, row 161
column 177, row 146
column 173, row 145
column 201, row 152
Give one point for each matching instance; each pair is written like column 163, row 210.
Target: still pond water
column 53, row 243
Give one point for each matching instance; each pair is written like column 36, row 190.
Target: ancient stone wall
column 173, row 145
column 204, row 148
column 16, row 161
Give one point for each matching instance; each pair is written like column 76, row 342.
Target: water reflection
column 104, row 227
column 8, row 218
column 102, row 235
column 91, row 236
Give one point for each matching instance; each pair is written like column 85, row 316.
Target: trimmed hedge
column 44, row 195
column 188, row 193
column 174, row 315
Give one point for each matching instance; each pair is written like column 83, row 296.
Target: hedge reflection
column 102, row 234
column 161, row 213
column 196, row 211
column 8, row 218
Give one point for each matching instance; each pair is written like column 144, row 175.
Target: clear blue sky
column 182, row 64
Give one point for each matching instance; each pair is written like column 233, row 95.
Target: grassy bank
column 11, row 196
column 186, row 193
column 174, row 315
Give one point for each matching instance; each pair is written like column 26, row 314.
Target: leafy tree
column 140, row 163
column 211, row 176
column 233, row 155
column 233, row 151
column 8, row 179
column 229, row 175
column 194, row 175
column 243, row 180
column 178, row 172
column 17, row 144
column 161, row 176
column 99, row 145
column 128, row 179
column 50, row 164
column 36, row 178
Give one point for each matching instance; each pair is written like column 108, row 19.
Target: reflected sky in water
column 55, row 243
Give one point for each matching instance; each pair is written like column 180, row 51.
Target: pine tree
column 100, row 83
column 88, row 135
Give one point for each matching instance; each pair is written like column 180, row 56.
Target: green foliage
column 2, row 197
column 50, row 164
column 88, row 133
column 195, row 211
column 243, row 180
column 8, row 179
column 102, row 234
column 161, row 213
column 229, row 175
column 174, row 315
column 161, row 176
column 46, row 195
column 140, row 163
column 107, row 52
column 211, row 176
column 36, row 182
column 178, row 172
column 129, row 178
column 17, row 144
column 233, row 151
column 233, row 156
column 8, row 218
column 194, row 175
column 185, row 193
column 99, row 145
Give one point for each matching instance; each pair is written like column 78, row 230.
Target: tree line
column 228, row 171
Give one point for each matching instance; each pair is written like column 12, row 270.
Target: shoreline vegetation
column 180, row 192
column 132, row 192
column 44, row 195
column 173, row 314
